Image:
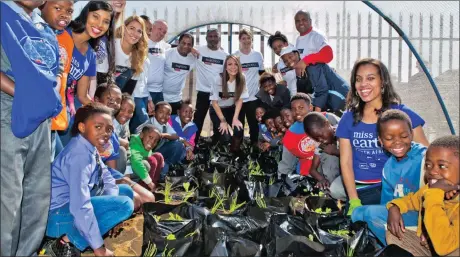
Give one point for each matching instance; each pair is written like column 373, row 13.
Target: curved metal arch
column 419, row 59
column 214, row 23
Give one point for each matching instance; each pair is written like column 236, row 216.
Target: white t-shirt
column 289, row 76
column 141, row 89
column 311, row 43
column 177, row 67
column 251, row 64
column 216, row 90
column 156, row 55
column 122, row 60
column 210, row 64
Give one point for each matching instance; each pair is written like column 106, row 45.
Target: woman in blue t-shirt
column 86, row 31
column 361, row 157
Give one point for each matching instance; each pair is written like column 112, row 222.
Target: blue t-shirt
column 368, row 156
column 111, row 149
column 82, row 65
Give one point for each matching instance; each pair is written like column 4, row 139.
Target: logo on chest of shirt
column 211, row 61
column 155, row 51
column 300, row 51
column 177, row 66
column 307, row 145
column 40, row 52
column 120, row 70
column 230, row 94
column 285, row 70
column 247, row 66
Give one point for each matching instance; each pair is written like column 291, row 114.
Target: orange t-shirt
column 66, row 45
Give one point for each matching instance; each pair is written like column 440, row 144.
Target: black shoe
column 60, row 248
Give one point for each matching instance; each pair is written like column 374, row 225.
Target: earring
column 356, row 93
column 383, row 90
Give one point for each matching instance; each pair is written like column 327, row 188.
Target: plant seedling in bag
column 151, row 250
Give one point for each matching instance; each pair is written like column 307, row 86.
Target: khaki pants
column 411, row 243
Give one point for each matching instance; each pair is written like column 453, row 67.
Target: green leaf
column 171, row 237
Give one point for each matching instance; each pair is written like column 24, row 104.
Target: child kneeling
column 437, row 203
column 85, row 201
column 146, row 166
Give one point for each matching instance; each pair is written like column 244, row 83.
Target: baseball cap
column 288, row 49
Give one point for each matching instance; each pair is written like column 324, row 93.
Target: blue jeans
column 370, row 195
column 173, row 152
column 140, row 114
column 376, row 217
column 109, row 211
column 156, row 97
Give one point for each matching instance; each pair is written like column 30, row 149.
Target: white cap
column 288, row 49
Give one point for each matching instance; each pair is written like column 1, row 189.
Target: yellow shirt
column 441, row 218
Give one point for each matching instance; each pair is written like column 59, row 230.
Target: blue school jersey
column 29, row 57
column 111, row 149
column 405, row 176
column 368, row 156
column 82, row 65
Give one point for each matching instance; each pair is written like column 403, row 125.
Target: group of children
column 92, row 188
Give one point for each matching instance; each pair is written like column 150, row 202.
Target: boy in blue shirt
column 29, row 65
column 402, row 173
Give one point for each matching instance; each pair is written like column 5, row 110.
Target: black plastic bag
column 291, row 235
column 358, row 237
column 272, row 206
column 322, row 206
column 180, row 237
column 393, row 250
column 218, row 227
column 236, row 246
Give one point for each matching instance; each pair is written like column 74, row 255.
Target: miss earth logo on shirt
column 41, row 53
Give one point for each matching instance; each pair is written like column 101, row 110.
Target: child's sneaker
column 60, row 248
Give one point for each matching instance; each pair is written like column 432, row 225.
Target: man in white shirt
column 252, row 64
column 157, row 49
column 179, row 63
column 209, row 65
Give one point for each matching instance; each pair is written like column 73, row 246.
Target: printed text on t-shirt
column 177, row 66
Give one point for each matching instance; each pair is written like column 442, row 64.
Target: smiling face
column 323, row 135
column 270, row 124
column 185, row 113
column 300, row 109
column 396, row 137
column 277, row 45
column 279, row 124
column 98, row 23
column 269, row 87
column 185, row 46
column 291, row 59
column 213, row 39
column 149, row 139
column 162, row 114
column 302, row 23
column 442, row 163
column 259, row 113
column 368, row 83
column 126, row 112
column 97, row 129
column 232, row 67
column 245, row 42
column 159, row 31
column 58, row 14
column 118, row 5
column 111, row 98
column 133, row 32
column 287, row 117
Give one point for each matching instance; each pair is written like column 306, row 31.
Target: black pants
column 175, row 107
column 249, row 110
column 228, row 113
column 201, row 109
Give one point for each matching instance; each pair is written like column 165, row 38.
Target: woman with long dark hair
column 226, row 97
column 86, row 31
column 361, row 156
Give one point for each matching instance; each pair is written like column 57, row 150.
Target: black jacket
column 282, row 98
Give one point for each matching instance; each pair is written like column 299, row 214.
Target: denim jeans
column 140, row 113
column 370, row 195
column 156, row 97
column 376, row 217
column 173, row 152
column 109, row 211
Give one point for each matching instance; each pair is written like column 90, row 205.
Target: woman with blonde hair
column 227, row 95
column 131, row 65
